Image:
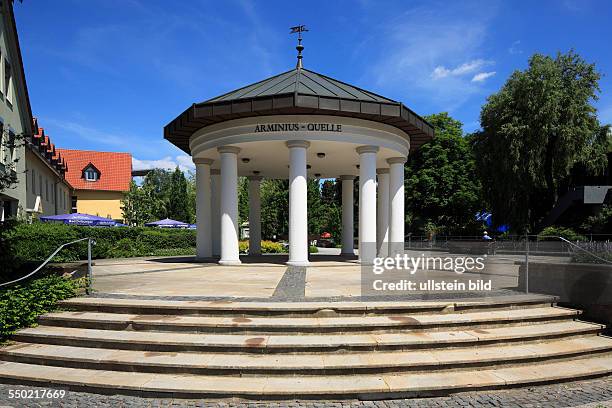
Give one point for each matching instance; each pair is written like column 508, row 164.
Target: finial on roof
column 299, row 29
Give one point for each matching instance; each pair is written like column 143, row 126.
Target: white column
column 298, row 198
column 203, row 213
column 348, row 228
column 229, row 205
column 396, row 209
column 367, row 203
column 215, row 198
column 382, row 212
column 254, row 216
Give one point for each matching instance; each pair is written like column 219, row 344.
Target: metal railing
column 90, row 242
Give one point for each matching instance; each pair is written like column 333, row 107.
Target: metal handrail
column 90, row 242
column 584, row 250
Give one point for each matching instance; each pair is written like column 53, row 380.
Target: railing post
column 526, row 263
column 89, row 271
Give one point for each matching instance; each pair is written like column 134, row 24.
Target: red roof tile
column 115, row 169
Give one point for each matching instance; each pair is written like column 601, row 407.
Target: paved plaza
column 329, row 276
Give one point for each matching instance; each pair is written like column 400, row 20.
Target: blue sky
column 109, row 74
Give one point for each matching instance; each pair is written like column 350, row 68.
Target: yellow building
column 100, row 181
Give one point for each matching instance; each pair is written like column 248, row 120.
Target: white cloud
column 183, row 162
column 465, row 68
column 482, row 76
column 426, row 45
column 515, row 48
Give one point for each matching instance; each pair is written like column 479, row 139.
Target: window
column 46, row 189
column 91, row 175
column 40, row 186
column 33, row 182
column 8, row 82
column 74, row 204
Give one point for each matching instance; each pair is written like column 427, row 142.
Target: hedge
column 20, row 305
column 25, row 243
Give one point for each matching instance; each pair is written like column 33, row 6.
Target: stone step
column 362, row 386
column 224, row 307
column 303, row 364
column 278, row 343
column 369, row 323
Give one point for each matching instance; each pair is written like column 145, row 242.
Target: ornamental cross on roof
column 299, row 29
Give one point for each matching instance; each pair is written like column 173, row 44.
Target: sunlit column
column 203, row 210
column 229, row 205
column 298, row 198
column 367, row 203
column 396, row 198
column 382, row 212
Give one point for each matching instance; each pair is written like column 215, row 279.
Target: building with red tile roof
column 100, row 180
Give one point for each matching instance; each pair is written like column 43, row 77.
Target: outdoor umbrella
column 167, row 223
column 80, row 219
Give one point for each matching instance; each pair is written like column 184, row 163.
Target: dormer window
column 90, row 173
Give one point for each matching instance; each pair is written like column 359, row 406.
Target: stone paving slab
column 239, row 304
column 415, row 359
column 365, row 385
column 595, row 393
column 210, row 323
column 305, row 341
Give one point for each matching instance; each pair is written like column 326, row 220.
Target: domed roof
column 298, row 91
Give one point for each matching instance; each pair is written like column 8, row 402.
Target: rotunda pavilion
column 298, row 125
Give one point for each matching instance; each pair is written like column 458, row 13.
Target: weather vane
column 299, row 29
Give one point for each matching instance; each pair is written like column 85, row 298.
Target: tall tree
column 274, row 209
column 442, row 193
column 534, row 130
column 178, row 203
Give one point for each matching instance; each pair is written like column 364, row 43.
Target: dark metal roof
column 299, row 91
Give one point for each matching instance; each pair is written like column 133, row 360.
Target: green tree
column 178, row 203
column 534, row 130
column 8, row 143
column 442, row 193
column 274, row 209
column 158, row 183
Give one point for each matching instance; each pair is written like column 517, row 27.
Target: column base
column 229, row 262
column 298, row 263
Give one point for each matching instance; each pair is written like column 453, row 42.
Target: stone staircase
column 325, row 350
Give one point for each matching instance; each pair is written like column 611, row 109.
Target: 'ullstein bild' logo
column 296, row 127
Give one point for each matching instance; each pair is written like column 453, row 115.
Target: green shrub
column 313, row 249
column 267, row 247
column 563, row 232
column 25, row 243
column 20, row 305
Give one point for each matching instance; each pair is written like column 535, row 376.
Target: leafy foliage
column 562, row 232
column 8, row 143
column 20, row 305
column 534, row 130
column 26, row 243
column 442, row 194
column 178, row 204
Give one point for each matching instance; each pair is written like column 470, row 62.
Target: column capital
column 215, row 172
column 348, row 177
column 397, row 160
column 298, row 143
column 382, row 171
column 367, row 149
column 255, row 178
column 202, row 160
column 228, row 149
